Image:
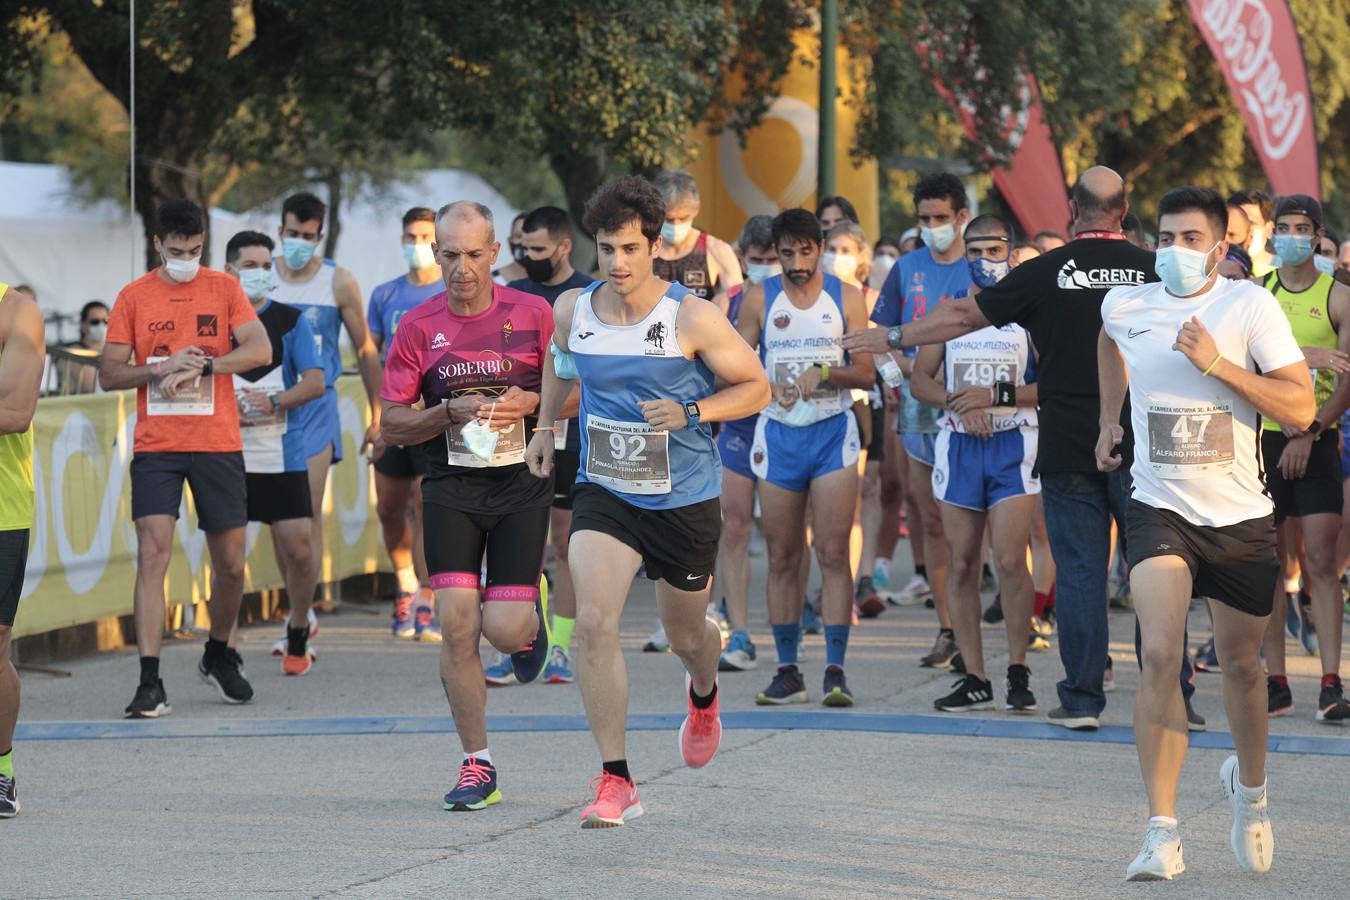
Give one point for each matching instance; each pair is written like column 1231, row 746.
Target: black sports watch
column 208, row 366
column 1315, row 428
column 691, row 412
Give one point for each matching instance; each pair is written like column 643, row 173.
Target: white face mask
column 419, row 256
column 757, row 272
column 97, row 332
column 881, row 267
column 939, row 238
column 480, row 439
column 802, row 413
column 1182, row 269
column 182, row 270
column 842, row 265
column 674, row 234
column 1325, row 264
column 257, row 283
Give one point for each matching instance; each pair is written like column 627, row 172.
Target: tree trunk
column 159, row 180
column 581, row 174
column 334, row 227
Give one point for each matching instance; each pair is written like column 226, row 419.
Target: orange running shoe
column 615, row 799
column 298, row 665
column 701, row 731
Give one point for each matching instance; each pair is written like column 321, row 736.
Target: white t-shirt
column 1197, row 442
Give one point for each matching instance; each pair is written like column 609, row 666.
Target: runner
column 513, row 270
column 270, row 398
column 399, row 470
column 693, row 258
column 472, row 356
column 646, row 354
column 806, row 446
column 329, row 297
column 547, row 239
column 983, row 475
column 1202, row 358
column 1303, row 468
column 190, row 328
column 834, row 209
column 1259, row 208
column 22, row 353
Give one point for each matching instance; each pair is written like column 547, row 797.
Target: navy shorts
column 219, row 487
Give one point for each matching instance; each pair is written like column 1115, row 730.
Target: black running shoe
column 226, row 674
column 959, row 663
column 1194, row 721
column 1020, row 698
column 1331, row 705
column 836, row 688
column 787, row 687
column 528, row 661
column 944, row 648
column 9, row 800
column 150, row 702
column 972, row 692
column 994, row 613
column 1279, row 699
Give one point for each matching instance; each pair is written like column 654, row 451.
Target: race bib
column 259, row 422
column 786, row 369
column 972, row 370
column 629, row 457
column 1189, row 440
column 510, row 449
column 195, row 398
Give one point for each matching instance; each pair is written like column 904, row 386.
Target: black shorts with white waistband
column 678, row 546
column 1318, row 491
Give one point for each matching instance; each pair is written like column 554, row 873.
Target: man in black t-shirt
column 1057, row 297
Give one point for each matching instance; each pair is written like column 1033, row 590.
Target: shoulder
column 698, row 316
column 286, row 314
column 1117, row 297
column 384, row 289
column 522, row 299
column 344, row 282
column 19, row 311
column 421, row 313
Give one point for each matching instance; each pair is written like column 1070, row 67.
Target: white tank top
column 795, row 339
column 983, row 357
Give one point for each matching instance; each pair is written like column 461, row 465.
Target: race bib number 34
column 1189, row 441
column 627, row 456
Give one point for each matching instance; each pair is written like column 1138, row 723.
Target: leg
column 1343, row 539
column 1323, row 582
column 9, row 692
column 693, row 637
column 226, row 549
column 154, row 544
column 964, row 532
column 1161, row 587
column 934, row 545
column 1042, row 560
column 833, row 499
column 1237, row 640
column 1273, row 643
column 461, row 668
column 869, row 517
column 292, row 540
column 419, row 545
column 563, row 598
column 602, row 573
column 733, row 557
column 319, row 464
column 784, row 535
column 892, row 498
column 1009, row 522
column 393, row 497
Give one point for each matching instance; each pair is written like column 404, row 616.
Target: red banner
column 1258, row 49
column 1032, row 182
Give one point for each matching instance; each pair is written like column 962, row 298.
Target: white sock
column 407, row 580
column 1291, row 585
column 882, row 566
column 1251, row 794
column 480, row 755
column 1163, row 822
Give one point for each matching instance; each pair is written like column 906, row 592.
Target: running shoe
column 1072, row 721
column 1019, row 697
column 1037, row 643
column 425, row 627
column 1331, row 705
column 916, row 591
column 701, row 730
column 944, row 648
column 9, row 798
column 1194, row 721
column 657, row 642
column 1251, row 837
column 528, row 661
column 836, row 688
column 616, row 799
column 150, row 702
column 866, row 599
column 1159, row 858
column 717, row 616
column 1108, row 677
column 739, row 656
column 299, row 664
column 787, row 687
column 1042, row 626
column 1307, row 632
column 971, row 692
column 403, row 625
column 1206, row 659
column 476, row 788
column 559, row 668
column 1279, row 699
column 279, row 648
column 881, row 575
column 993, row 613
column 500, row 673
column 226, row 674
column 811, row 623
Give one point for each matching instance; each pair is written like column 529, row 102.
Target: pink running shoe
column 701, row 731
column 615, row 799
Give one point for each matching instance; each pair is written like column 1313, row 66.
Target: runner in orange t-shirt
column 190, row 329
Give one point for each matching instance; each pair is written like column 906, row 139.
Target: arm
column 725, row 269
column 860, row 372
column 555, row 392
column 254, row 350
column 950, row 319
column 1283, row 394
column 1339, row 306
column 348, row 298
column 309, row 387
column 1114, row 381
column 25, row 350
column 923, row 382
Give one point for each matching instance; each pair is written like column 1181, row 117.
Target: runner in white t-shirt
column 1203, row 358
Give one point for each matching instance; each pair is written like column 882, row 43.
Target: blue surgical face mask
column 802, row 413
column 257, row 283
column 480, row 439
column 674, row 234
column 1325, row 264
column 988, row 272
column 297, row 252
column 1293, row 249
column 419, row 256
column 757, row 272
column 1182, row 269
column 939, row 238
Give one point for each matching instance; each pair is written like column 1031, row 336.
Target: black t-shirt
column 551, row 293
column 1057, row 298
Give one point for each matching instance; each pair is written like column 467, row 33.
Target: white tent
column 71, row 252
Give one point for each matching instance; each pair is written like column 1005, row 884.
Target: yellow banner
column 82, row 556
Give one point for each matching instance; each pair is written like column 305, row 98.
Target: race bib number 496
column 1188, row 440
column 627, row 456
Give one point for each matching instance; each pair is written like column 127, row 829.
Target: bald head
column 1099, row 200
column 467, row 211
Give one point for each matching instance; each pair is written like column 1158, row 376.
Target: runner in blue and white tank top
column 806, row 441
column 648, row 356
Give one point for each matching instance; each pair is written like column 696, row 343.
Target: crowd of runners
column 1066, row 421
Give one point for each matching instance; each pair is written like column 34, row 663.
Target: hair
column 1299, row 205
column 467, row 211
column 796, row 225
column 1205, row 200
column 90, row 307
column 941, row 186
column 1239, row 256
column 885, row 242
column 25, row 289
column 1131, row 223
column 247, row 239
column 989, row 224
column 620, row 202
column 555, row 221
column 1026, row 245
column 1333, row 235
column 757, row 232
column 676, row 185
column 843, row 203
column 305, row 207
column 519, row 217
column 1092, row 207
column 1263, row 201
column 854, row 230
column 418, row 214
column 180, row 217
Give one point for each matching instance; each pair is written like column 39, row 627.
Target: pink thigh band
column 515, row 593
column 448, row 580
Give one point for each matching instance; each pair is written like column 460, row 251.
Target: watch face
column 691, row 409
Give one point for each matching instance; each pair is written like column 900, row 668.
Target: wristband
column 895, row 335
column 1212, row 365
column 1005, row 393
column 159, row 369
column 824, row 372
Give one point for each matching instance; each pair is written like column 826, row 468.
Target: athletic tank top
column 690, row 270
column 1310, row 319
column 619, row 367
column 315, row 299
column 794, row 339
column 983, row 357
column 16, row 474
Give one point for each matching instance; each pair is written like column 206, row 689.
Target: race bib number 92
column 627, row 456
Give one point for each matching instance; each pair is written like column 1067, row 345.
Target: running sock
column 786, row 638
column 617, row 767
column 1281, row 680
column 484, row 756
column 922, row 572
column 296, row 639
column 1331, row 680
column 836, row 645
column 215, row 649
column 149, row 669
column 562, row 632
column 7, row 763
column 1042, row 601
column 947, row 631
column 1251, row 794
column 702, row 702
column 1163, row 822
column 407, row 580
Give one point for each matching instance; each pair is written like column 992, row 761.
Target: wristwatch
column 208, row 367
column 894, row 337
column 691, row 412
column 276, row 402
column 1315, row 428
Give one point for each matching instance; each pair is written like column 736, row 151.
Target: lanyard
column 1108, row 235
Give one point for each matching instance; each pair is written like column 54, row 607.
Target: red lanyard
column 1107, row 235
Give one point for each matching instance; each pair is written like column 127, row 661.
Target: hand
column 664, row 415
column 539, row 453
column 1107, row 441
column 786, row 394
column 977, row 423
column 461, row 410
column 1197, row 343
column 1327, row 358
column 1294, row 459
column 372, row 435
column 171, row 384
column 808, row 381
column 377, row 446
column 866, row 340
column 969, row 399
column 1292, row 431
column 189, row 359
column 502, row 412
column 892, row 398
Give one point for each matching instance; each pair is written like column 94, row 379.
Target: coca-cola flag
column 1259, row 52
column 1032, row 182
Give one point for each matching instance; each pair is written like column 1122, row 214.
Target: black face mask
column 517, row 252
column 538, row 270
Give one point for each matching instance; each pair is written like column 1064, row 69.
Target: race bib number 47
column 628, row 457
column 1189, row 441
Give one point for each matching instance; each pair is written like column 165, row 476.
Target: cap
column 1299, row 205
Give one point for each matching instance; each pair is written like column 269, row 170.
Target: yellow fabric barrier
column 81, row 564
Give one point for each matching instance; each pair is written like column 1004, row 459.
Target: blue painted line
column 773, row 720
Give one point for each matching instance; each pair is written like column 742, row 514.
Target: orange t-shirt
column 157, row 318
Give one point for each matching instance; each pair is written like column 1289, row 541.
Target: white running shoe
column 715, row 616
column 279, row 648
column 657, row 642
column 912, row 594
column 1252, row 840
column 1159, row 858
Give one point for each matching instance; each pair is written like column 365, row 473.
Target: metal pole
column 131, row 108
column 829, row 38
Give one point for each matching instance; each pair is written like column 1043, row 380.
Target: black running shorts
column 217, row 481
column 1235, row 564
column 13, row 560
column 456, row 540
column 402, row 462
column 278, row 496
column 677, row 545
column 1318, row 491
column 565, row 465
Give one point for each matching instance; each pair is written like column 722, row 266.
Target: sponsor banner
column 82, row 557
column 1258, row 49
